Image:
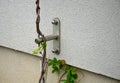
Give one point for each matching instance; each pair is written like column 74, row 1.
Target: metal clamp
column 55, row 36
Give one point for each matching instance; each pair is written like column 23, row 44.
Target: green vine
column 70, row 72
column 42, row 45
column 58, row 66
column 71, row 75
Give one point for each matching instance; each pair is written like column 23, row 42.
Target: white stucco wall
column 90, row 32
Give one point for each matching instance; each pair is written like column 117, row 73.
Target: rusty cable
column 44, row 60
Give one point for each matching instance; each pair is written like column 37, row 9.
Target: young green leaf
column 36, row 51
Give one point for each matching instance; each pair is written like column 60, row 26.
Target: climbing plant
column 69, row 71
column 57, row 65
column 41, row 45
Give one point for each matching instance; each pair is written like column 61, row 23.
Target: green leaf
column 43, row 45
column 50, row 63
column 36, row 51
column 57, row 65
column 67, row 68
column 55, row 60
column 64, row 81
column 73, row 69
column 55, row 69
column 75, row 76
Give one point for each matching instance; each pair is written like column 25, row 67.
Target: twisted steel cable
column 44, row 60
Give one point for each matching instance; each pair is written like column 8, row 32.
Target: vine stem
column 61, row 76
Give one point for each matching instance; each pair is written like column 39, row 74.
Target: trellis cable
column 44, row 60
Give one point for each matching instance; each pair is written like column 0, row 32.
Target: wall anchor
column 55, row 36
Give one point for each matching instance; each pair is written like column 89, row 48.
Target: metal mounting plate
column 56, row 31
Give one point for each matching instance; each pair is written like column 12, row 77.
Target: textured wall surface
column 18, row 67
column 90, row 30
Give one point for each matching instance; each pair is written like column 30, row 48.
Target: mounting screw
column 38, row 41
column 55, row 22
column 55, row 51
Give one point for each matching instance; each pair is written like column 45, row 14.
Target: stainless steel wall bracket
column 56, row 30
column 55, row 36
